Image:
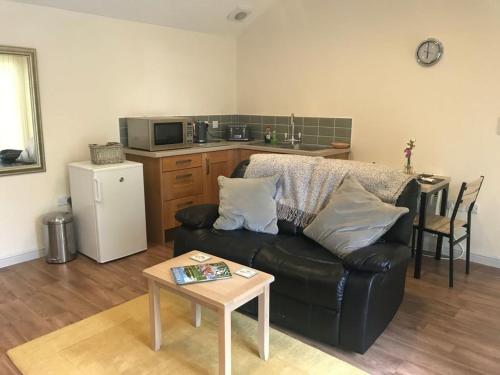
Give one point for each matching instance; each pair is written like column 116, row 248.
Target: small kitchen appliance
column 238, row 133
column 159, row 133
column 200, row 132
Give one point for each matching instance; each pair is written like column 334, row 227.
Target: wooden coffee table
column 223, row 296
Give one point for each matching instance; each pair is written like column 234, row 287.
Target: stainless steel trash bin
column 59, row 237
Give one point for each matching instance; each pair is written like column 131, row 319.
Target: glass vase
column 408, row 168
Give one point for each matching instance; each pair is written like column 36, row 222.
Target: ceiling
column 209, row 16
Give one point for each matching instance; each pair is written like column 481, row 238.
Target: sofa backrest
column 239, row 171
column 400, row 232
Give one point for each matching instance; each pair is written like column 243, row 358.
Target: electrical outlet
column 215, row 124
column 62, row 200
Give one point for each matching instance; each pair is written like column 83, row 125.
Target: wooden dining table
column 426, row 191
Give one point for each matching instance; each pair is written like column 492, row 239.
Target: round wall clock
column 429, row 52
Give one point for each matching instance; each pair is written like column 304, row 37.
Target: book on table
column 198, row 273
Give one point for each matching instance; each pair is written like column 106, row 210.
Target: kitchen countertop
column 300, row 149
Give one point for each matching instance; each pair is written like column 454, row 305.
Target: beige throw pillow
column 353, row 218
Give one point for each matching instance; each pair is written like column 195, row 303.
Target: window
column 16, row 116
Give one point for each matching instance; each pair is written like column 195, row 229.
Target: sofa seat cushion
column 239, row 246
column 304, row 270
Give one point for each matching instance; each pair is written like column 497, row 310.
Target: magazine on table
column 198, row 273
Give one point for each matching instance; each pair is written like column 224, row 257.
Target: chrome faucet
column 292, row 138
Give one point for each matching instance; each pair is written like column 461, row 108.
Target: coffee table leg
column 225, row 341
column 196, row 313
column 154, row 315
column 263, row 333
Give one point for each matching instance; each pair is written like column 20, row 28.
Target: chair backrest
column 467, row 195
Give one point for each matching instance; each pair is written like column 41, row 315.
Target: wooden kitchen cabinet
column 344, row 156
column 174, row 163
column 175, row 182
column 245, row 154
column 172, row 183
column 182, row 183
column 172, row 206
column 215, row 164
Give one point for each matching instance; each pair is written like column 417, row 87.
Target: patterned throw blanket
column 306, row 182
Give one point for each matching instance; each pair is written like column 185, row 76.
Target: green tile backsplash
column 315, row 130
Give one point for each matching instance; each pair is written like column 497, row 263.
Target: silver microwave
column 159, row 133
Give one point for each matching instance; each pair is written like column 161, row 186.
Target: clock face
column 429, row 52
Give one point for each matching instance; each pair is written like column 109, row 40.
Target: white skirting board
column 430, row 244
column 487, row 261
column 23, row 257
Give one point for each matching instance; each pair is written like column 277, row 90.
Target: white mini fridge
column 108, row 209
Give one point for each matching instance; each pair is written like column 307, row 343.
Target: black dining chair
column 443, row 226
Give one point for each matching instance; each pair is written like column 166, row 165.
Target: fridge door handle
column 97, row 190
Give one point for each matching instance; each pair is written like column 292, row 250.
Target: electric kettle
column 200, row 132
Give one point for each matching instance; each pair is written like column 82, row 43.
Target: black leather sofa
column 342, row 302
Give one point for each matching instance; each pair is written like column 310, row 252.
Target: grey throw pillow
column 353, row 218
column 248, row 203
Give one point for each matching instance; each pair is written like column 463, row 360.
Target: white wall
column 314, row 57
column 92, row 71
column 356, row 59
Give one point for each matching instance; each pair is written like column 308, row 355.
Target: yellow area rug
column 116, row 341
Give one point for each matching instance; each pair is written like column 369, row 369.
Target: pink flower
column 410, row 145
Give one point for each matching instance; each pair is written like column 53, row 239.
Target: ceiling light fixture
column 239, row 14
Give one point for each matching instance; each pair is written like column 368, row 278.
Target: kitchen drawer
column 171, row 207
column 182, row 183
column 174, row 163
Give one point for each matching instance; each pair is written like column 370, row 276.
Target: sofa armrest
column 199, row 216
column 379, row 257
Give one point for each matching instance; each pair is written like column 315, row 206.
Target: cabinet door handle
column 208, row 166
column 97, row 190
column 183, row 161
column 182, row 176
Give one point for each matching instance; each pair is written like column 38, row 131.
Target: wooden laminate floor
column 436, row 331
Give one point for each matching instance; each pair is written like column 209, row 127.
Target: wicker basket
column 110, row 153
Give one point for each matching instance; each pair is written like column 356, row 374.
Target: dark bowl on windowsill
column 10, row 156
